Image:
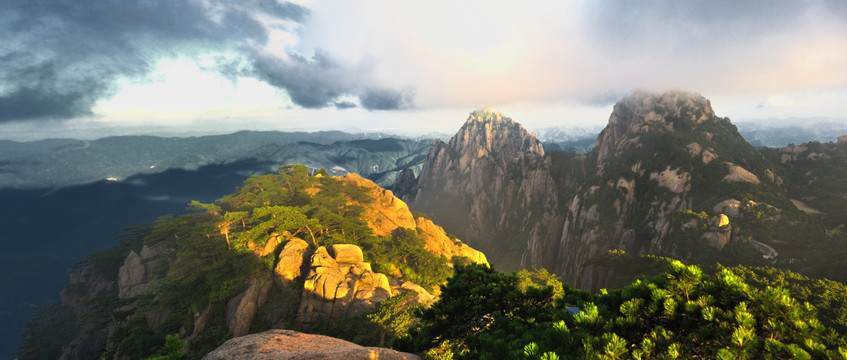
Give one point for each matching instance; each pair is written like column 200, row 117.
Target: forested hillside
column 289, row 250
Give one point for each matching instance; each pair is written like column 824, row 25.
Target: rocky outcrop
column 491, row 186
column 672, row 180
column 274, row 240
column 720, row 233
column 386, row 212
column 340, row 284
column 737, row 173
column 292, row 345
column 241, row 309
column 88, row 283
column 438, row 243
column 84, row 285
column 137, row 272
column 842, row 139
column 730, row 207
column 695, row 150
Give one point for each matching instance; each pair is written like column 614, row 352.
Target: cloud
column 61, row 57
column 386, row 99
column 605, row 98
column 700, row 26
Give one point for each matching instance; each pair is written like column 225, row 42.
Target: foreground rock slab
column 292, row 345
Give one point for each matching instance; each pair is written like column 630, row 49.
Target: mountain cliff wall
column 652, row 183
column 490, row 182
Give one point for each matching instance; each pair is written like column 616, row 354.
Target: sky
column 83, row 68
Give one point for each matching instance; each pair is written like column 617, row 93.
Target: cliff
column 491, row 186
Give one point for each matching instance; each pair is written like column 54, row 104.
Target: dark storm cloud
column 317, row 81
column 311, row 82
column 386, row 99
column 58, row 58
column 699, row 26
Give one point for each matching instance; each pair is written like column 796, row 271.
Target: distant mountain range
column 780, row 133
column 57, row 163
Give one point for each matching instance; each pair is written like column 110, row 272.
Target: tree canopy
column 683, row 313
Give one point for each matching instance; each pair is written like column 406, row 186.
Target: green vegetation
column 682, row 313
column 213, row 254
column 390, row 320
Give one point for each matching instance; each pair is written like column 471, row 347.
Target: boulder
column 729, row 207
column 720, row 233
column 291, row 345
column 291, row 260
column 270, row 246
column 737, row 173
column 399, row 286
column 842, row 139
column 346, row 253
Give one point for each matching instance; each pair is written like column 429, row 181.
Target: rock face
column 291, row 260
column 137, row 272
column 292, row 345
column 659, row 155
column 405, row 183
column 842, row 139
column 242, row 308
column 491, row 186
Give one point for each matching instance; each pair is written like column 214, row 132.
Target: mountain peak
column 672, row 103
column 487, row 114
column 673, row 110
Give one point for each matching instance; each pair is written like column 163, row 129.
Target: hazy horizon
column 28, row 132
